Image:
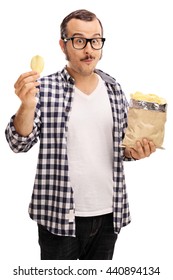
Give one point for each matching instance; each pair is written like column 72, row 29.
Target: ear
column 62, row 45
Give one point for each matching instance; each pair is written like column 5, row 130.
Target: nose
column 88, row 48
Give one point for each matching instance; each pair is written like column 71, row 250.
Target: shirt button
column 67, row 109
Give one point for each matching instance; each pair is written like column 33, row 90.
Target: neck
column 80, row 77
column 86, row 83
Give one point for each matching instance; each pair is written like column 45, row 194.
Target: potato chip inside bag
column 146, row 119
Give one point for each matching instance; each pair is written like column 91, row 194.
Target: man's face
column 82, row 61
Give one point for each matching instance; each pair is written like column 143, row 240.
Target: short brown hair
column 78, row 14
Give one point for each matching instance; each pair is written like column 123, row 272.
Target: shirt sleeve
column 20, row 143
column 124, row 116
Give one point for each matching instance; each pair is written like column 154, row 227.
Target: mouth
column 88, row 59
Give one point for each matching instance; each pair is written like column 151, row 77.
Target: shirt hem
column 91, row 214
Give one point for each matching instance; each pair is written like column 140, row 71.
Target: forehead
column 84, row 28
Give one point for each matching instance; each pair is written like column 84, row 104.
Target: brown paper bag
column 144, row 123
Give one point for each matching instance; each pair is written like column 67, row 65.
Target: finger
column 139, row 149
column 152, row 146
column 22, row 83
column 29, row 76
column 135, row 154
column 146, row 147
column 26, row 88
column 33, row 92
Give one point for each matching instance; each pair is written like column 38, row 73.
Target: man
column 79, row 115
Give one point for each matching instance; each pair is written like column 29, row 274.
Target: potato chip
column 37, row 63
column 148, row 97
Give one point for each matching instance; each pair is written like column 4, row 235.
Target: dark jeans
column 95, row 240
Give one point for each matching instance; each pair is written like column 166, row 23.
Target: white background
column 138, row 53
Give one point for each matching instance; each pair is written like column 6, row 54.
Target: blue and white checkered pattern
column 52, row 204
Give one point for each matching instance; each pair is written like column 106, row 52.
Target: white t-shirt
column 90, row 152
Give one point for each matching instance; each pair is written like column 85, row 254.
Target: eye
column 95, row 41
column 79, row 41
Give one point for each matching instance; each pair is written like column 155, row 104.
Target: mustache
column 87, row 57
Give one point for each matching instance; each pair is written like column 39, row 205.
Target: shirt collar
column 107, row 78
column 66, row 76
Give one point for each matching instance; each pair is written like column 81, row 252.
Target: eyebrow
column 81, row 35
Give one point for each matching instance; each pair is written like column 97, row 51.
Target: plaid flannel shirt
column 52, row 204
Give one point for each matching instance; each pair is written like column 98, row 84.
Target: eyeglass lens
column 80, row 43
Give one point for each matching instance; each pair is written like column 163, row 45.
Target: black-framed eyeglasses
column 80, row 43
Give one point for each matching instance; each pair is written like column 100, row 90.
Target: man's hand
column 26, row 88
column 141, row 149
